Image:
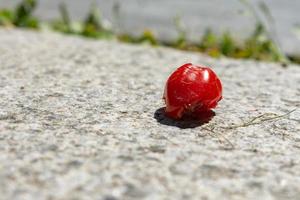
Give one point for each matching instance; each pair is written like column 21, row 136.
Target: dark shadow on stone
column 186, row 121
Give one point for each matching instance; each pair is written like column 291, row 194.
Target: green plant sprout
column 263, row 39
column 63, row 24
column 22, row 16
column 92, row 26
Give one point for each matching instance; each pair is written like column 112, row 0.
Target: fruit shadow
column 186, row 121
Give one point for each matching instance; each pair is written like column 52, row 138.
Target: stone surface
column 82, row 119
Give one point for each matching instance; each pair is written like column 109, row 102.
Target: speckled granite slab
column 83, row 119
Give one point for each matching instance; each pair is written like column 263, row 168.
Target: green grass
column 260, row 45
column 21, row 16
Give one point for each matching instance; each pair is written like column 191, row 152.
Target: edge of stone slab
column 16, row 32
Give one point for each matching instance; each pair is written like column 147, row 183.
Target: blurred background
column 190, row 20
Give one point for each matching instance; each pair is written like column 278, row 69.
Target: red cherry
column 191, row 90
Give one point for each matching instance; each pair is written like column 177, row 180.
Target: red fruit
column 191, row 90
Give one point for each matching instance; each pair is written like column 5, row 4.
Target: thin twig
column 213, row 134
column 253, row 122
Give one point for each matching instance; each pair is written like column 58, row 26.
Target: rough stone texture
column 82, row 119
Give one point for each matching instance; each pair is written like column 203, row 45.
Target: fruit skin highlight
column 191, row 90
